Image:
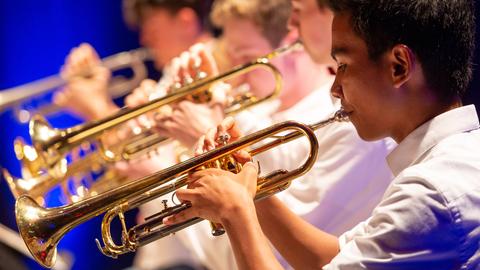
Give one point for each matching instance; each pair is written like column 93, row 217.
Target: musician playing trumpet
column 402, row 68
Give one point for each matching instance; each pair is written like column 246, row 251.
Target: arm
column 301, row 244
column 249, row 244
column 218, row 196
column 209, row 193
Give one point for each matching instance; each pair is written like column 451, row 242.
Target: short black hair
column 133, row 9
column 441, row 33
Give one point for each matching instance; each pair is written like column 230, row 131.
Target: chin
column 366, row 133
column 369, row 136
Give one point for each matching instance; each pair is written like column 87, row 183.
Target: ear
column 187, row 18
column 403, row 63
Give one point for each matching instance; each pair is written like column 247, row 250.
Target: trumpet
column 119, row 86
column 42, row 228
column 52, row 144
column 37, row 186
column 38, row 182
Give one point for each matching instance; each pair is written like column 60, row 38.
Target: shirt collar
column 426, row 136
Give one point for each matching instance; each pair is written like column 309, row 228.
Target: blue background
column 35, row 37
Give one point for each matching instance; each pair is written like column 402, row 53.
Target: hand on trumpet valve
column 86, row 92
column 215, row 137
column 141, row 95
column 196, row 64
column 216, row 194
column 191, row 118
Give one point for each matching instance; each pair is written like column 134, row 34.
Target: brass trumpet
column 52, row 144
column 43, row 228
column 37, row 186
column 120, row 86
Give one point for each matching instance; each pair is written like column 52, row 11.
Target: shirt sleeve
column 411, row 229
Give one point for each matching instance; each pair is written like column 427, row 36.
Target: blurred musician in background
column 402, row 68
column 167, row 28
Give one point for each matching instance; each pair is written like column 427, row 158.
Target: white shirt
column 345, row 184
column 429, row 217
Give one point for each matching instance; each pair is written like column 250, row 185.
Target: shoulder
column 452, row 166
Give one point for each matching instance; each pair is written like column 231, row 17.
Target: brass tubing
column 52, row 144
column 42, row 228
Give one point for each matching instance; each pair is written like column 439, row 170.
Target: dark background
column 35, row 37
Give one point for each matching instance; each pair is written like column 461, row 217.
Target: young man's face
column 364, row 86
column 315, row 28
column 244, row 42
column 162, row 33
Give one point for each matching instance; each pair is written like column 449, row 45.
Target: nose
column 337, row 90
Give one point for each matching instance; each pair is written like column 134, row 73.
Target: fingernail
column 167, row 220
column 251, row 163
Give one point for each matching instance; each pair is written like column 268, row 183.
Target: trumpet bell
column 34, row 187
column 27, row 155
column 42, row 134
column 32, row 217
column 12, row 184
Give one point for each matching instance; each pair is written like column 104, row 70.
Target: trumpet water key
column 42, row 228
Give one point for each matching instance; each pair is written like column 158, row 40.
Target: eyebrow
column 338, row 50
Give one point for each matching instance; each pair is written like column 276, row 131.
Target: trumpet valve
column 165, row 204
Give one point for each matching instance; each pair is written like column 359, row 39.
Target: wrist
column 239, row 214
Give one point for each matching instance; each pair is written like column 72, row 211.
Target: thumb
column 59, row 98
column 242, row 156
column 249, row 171
column 249, row 178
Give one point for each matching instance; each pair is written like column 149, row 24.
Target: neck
column 310, row 79
column 422, row 116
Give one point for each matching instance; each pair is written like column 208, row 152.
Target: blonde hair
column 271, row 16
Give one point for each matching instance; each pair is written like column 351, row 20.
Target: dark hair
column 133, row 9
column 441, row 33
column 322, row 3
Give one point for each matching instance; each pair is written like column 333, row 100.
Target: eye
column 341, row 67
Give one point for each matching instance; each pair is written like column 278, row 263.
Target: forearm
column 250, row 246
column 300, row 243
